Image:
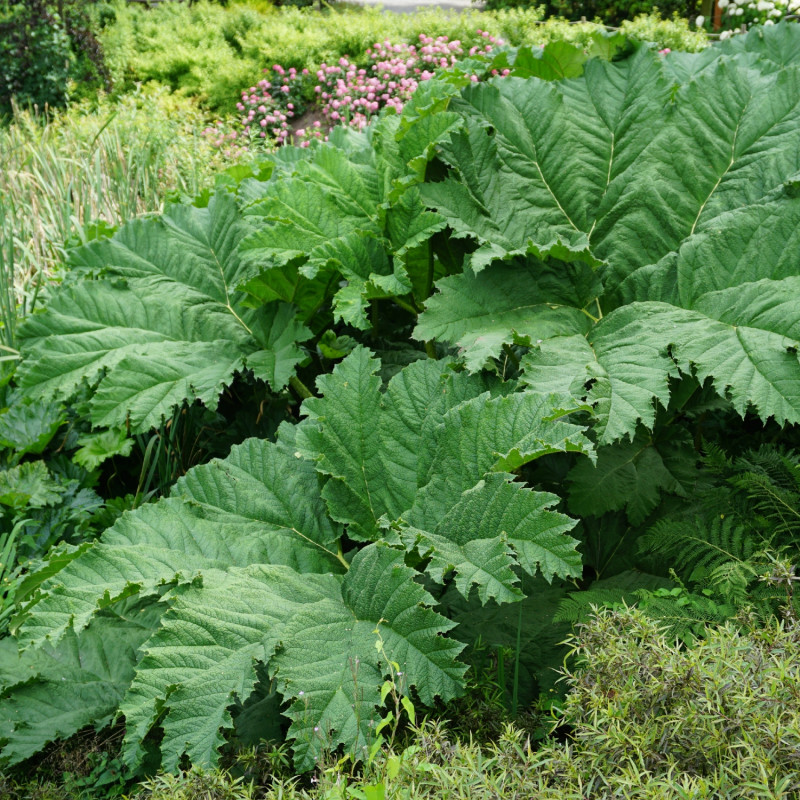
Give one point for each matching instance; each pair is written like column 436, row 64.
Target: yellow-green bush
column 647, row 718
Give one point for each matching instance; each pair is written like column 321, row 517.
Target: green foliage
column 647, row 721
column 212, row 52
column 673, row 33
column 660, row 271
column 613, row 12
column 163, row 326
column 627, row 228
column 99, row 664
column 71, row 176
column 47, row 53
column 272, row 539
column 36, row 60
column 707, row 713
column 725, row 544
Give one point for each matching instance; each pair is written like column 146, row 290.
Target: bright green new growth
column 245, row 559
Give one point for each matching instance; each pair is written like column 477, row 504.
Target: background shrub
column 36, row 59
column 48, row 52
column 212, row 52
column 613, row 12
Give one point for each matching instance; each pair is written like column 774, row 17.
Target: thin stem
column 429, row 276
column 512, row 356
column 599, row 310
column 302, row 390
column 406, row 306
column 515, row 694
column 340, row 555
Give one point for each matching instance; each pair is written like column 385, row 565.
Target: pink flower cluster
column 353, row 96
column 234, row 146
column 304, row 136
column 347, row 94
column 267, row 107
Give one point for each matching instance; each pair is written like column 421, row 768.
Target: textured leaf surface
column 332, row 658
column 745, row 339
column 553, row 152
column 28, row 427
column 372, row 444
column 29, row 484
column 98, row 666
column 97, row 447
column 162, row 326
column 629, row 475
column 205, row 653
column 517, row 304
column 331, row 216
column 347, row 444
column 485, row 435
column 495, row 526
column 729, row 141
column 260, row 505
column 688, row 198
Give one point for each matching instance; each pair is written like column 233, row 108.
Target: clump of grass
column 61, row 173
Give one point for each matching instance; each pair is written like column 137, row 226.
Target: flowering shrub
column 346, row 93
column 354, row 95
column 269, row 106
column 736, row 13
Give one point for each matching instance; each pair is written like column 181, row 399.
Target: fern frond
column 684, row 614
column 619, row 589
column 768, row 481
column 697, row 548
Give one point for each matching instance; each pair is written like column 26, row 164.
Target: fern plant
column 725, row 548
column 744, row 526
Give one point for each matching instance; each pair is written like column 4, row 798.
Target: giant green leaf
column 729, row 140
column 205, row 653
column 495, row 526
column 745, row 339
column 778, row 46
column 260, row 505
column 331, row 665
column 534, row 184
column 372, row 444
column 514, row 303
column 98, row 665
column 162, row 326
column 687, row 194
column 333, row 215
column 486, row 435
